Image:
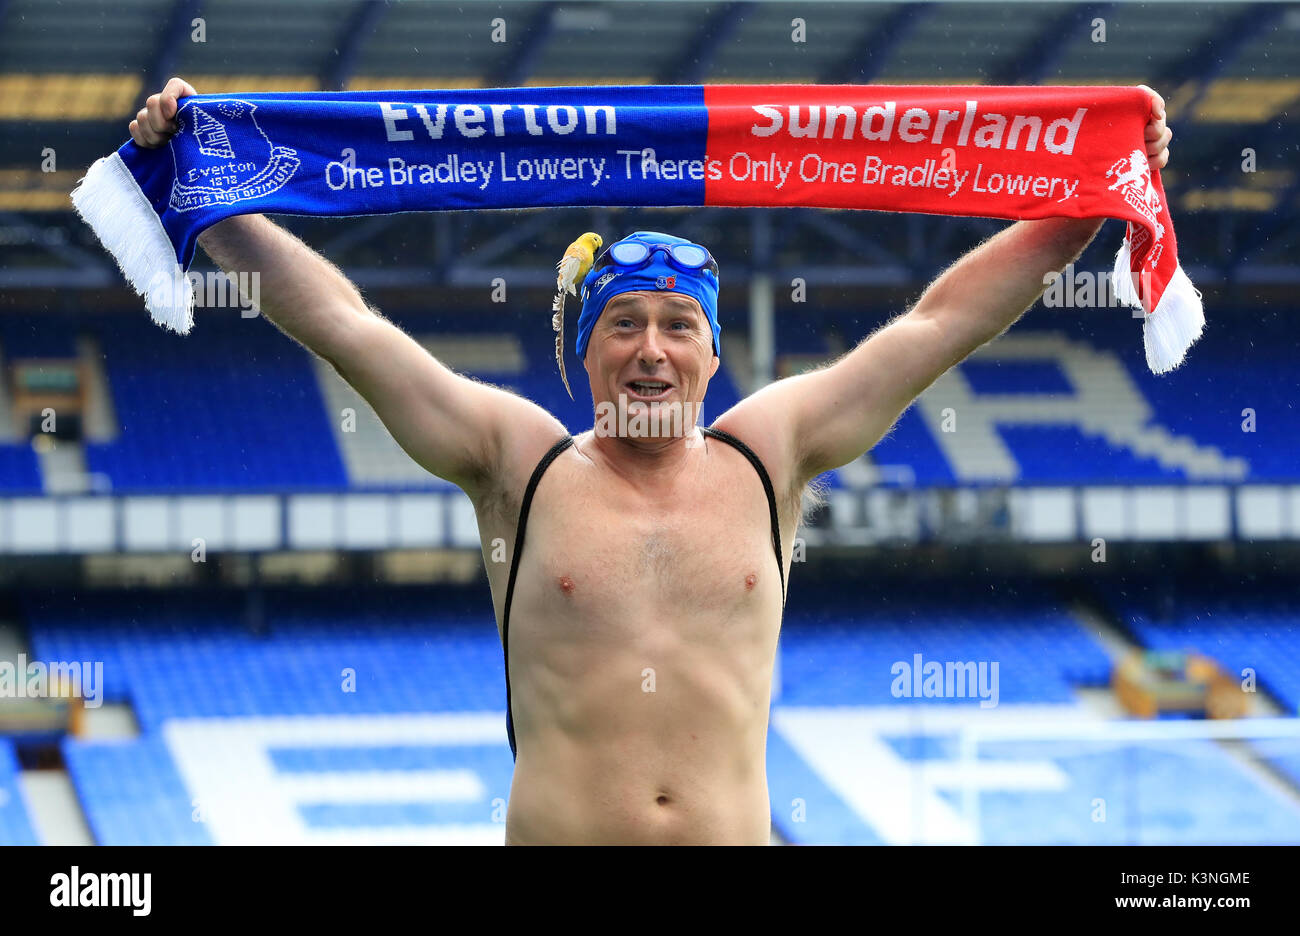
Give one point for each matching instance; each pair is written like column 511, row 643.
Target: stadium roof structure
column 72, row 74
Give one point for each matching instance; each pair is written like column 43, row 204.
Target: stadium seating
column 1244, row 625
column 839, row 650
column 1164, row 793
column 15, row 826
column 422, row 650
column 1246, row 366
column 131, row 793
column 238, row 407
column 422, row 660
column 413, row 650
column 234, row 408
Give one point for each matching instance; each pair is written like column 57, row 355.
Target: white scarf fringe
column 109, row 200
column 1175, row 323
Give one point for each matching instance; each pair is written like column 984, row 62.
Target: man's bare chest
column 598, row 546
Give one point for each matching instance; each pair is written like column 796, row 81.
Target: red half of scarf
column 1001, row 152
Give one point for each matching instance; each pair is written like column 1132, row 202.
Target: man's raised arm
column 452, row 426
column 831, row 416
column 841, row 411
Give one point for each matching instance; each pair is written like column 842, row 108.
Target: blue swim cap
column 602, row 285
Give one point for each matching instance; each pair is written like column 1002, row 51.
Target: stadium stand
column 275, row 412
column 132, row 794
column 422, row 652
column 1252, row 625
column 238, row 410
column 828, row 646
column 15, row 825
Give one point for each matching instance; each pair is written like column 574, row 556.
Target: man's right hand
column 156, row 122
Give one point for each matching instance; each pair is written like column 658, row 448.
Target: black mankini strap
column 552, row 454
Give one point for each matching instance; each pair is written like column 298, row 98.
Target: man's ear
column 717, row 362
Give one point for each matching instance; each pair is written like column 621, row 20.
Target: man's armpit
column 812, row 498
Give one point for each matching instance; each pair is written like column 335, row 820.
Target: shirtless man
column 647, row 603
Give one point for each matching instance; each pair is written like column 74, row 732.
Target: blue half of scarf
column 380, row 152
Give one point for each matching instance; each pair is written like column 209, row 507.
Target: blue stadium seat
column 132, row 793
column 15, row 825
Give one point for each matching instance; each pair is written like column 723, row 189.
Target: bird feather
column 569, row 272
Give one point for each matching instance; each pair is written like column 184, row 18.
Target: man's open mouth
column 648, row 389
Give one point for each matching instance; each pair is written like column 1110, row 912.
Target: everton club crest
column 231, row 159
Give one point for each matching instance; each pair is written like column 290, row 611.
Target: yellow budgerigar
column 570, row 272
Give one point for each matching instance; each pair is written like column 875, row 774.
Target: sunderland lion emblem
column 1132, row 176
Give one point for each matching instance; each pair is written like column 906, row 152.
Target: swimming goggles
column 637, row 254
